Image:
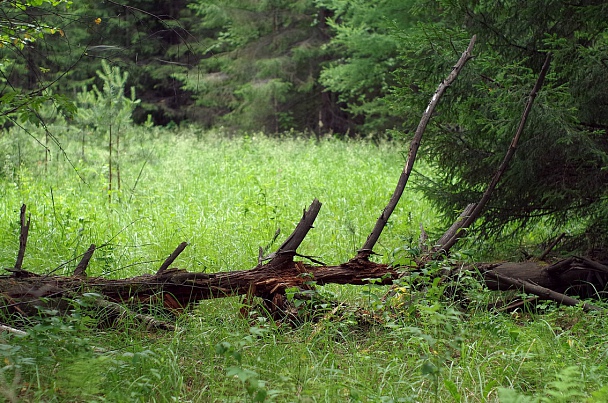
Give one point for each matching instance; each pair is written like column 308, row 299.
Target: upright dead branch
column 180, row 248
column 81, row 268
column 367, row 248
column 504, row 164
column 456, row 226
column 25, row 228
column 288, row 249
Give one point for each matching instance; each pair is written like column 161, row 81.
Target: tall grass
column 226, row 197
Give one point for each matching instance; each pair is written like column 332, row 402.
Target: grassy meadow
column 227, row 196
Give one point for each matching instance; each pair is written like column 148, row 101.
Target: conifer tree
column 260, row 64
column 559, row 171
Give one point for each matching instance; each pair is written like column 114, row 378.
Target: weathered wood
column 288, row 249
column 8, row 329
column 81, row 267
column 574, row 277
column 367, row 249
column 454, row 229
column 542, row 292
column 559, row 267
column 177, row 289
column 594, row 265
column 180, row 248
column 25, row 228
column 184, row 288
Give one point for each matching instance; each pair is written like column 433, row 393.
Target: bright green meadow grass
column 226, row 196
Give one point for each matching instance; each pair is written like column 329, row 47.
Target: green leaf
column 453, row 389
column 428, row 368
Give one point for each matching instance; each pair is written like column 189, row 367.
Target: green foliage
column 110, row 106
column 260, row 64
column 366, row 55
column 143, row 37
column 567, row 387
column 22, row 26
column 255, row 387
column 558, row 171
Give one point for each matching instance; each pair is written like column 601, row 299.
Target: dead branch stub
column 175, row 289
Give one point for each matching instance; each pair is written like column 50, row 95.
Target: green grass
column 226, row 197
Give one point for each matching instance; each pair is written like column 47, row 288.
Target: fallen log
column 177, row 289
column 574, row 276
column 24, row 293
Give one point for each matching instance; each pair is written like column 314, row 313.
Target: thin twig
column 137, row 180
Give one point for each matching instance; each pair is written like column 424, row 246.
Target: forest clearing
column 226, row 198
column 303, row 201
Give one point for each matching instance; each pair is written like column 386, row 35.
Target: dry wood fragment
column 180, row 248
column 81, row 267
column 8, row 329
column 288, row 249
column 542, row 292
column 594, row 265
column 558, row 267
column 25, row 228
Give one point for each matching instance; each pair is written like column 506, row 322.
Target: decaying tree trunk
column 23, row 293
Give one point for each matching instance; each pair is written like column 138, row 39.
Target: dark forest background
column 355, row 69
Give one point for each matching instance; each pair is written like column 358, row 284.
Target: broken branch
column 81, row 267
column 25, row 228
column 291, row 244
column 367, row 249
column 542, row 292
column 180, row 248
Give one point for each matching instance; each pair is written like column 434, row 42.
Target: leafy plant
column 108, row 110
column 255, row 387
column 567, row 387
